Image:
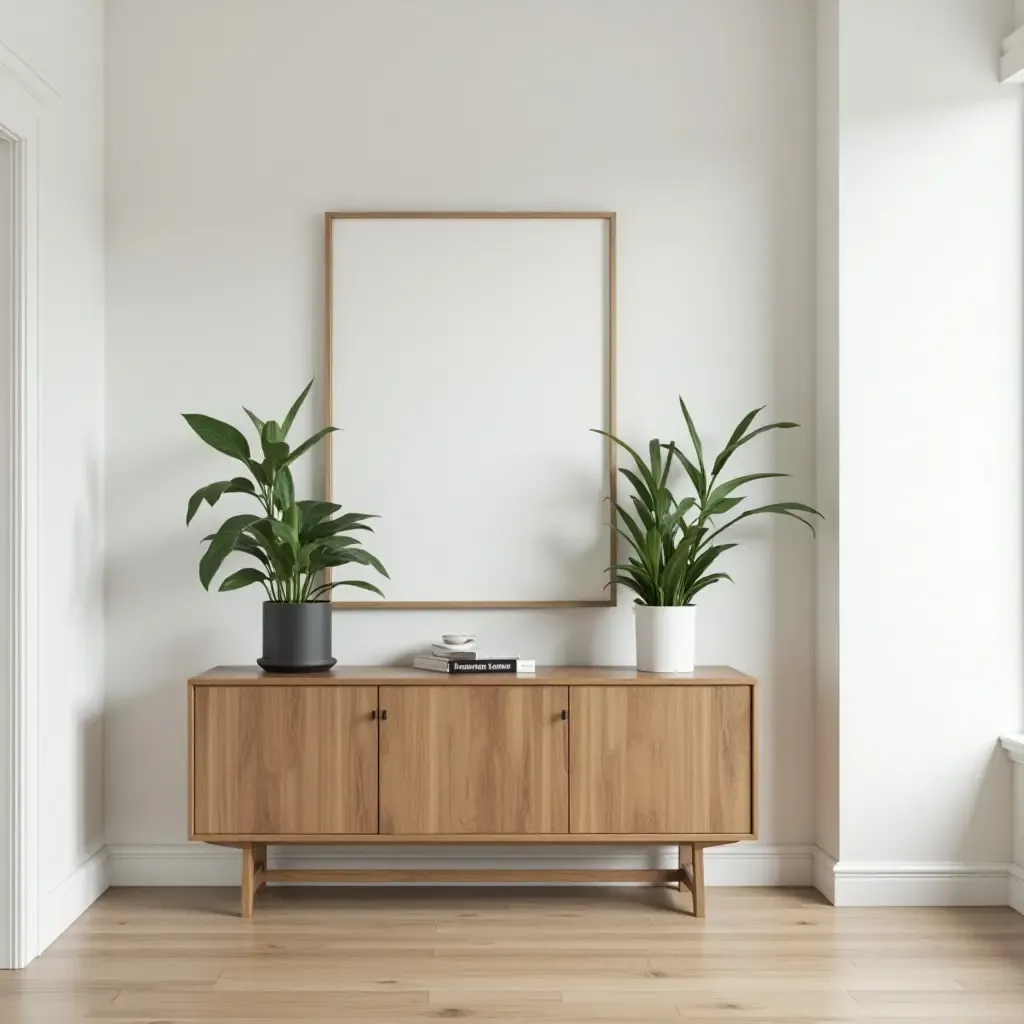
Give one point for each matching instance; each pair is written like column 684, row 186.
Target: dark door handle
column 384, row 715
column 373, row 715
column 565, row 715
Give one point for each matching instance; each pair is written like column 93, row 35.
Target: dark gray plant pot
column 296, row 637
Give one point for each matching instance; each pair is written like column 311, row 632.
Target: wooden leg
column 259, row 856
column 684, row 882
column 698, row 880
column 248, row 879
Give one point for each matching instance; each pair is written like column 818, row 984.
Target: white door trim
column 20, row 113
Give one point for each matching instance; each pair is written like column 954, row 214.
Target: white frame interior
column 420, row 274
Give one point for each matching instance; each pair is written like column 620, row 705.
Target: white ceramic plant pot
column 665, row 638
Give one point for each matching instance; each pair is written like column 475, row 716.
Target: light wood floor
column 160, row 956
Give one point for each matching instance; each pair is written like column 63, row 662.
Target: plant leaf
column 362, row 584
column 636, row 535
column 676, row 520
column 212, row 493
column 764, row 430
column 277, row 552
column 314, row 510
column 779, row 508
column 644, row 514
column 694, row 437
column 275, row 451
column 365, row 558
column 256, row 421
column 219, row 435
column 312, row 514
column 722, row 490
column 287, row 535
column 639, row 487
column 703, row 561
column 222, row 544
column 634, row 568
column 194, row 502
column 284, row 489
column 342, row 524
column 353, row 554
column 675, row 572
column 743, row 424
column 292, row 412
column 654, row 447
column 652, row 483
column 652, row 555
column 645, row 593
column 723, row 506
column 705, row 582
column 695, row 475
column 308, row 443
column 737, row 441
column 670, row 448
column 243, row 578
column 259, row 475
column 249, row 545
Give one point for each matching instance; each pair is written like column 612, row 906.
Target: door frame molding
column 22, row 96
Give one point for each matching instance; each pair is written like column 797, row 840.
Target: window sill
column 1014, row 747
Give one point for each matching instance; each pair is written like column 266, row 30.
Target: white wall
column 233, row 126
column 928, row 285
column 62, row 41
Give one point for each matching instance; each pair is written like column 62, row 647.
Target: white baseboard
column 749, row 864
column 846, row 884
column 65, row 904
column 954, row 884
column 1017, row 888
column 744, row 864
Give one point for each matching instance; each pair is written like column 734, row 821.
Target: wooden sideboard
column 393, row 755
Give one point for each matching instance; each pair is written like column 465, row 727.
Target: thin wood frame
column 610, row 397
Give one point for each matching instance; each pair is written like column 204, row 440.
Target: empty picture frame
column 468, row 357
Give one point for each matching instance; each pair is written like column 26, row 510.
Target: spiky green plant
column 673, row 539
column 293, row 542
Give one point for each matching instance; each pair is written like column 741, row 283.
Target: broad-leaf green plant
column 675, row 542
column 292, row 542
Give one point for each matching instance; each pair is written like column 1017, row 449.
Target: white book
column 444, row 651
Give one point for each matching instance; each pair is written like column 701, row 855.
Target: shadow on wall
column 89, row 778
column 74, row 674
column 787, row 706
column 161, row 627
column 991, row 786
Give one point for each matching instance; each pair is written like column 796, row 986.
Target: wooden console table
column 393, row 755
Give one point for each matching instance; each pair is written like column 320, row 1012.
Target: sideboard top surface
column 568, row 675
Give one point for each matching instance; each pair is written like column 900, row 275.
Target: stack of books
column 464, row 657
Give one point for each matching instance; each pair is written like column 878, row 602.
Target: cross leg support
column 691, row 875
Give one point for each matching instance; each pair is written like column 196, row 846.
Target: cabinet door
column 661, row 760
column 285, row 760
column 473, row 760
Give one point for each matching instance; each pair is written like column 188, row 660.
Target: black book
column 479, row 665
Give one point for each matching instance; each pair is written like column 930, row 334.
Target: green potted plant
column 675, row 542
column 292, row 542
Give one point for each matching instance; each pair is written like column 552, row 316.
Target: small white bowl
column 457, row 639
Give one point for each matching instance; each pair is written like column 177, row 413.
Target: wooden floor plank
column 518, row 955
